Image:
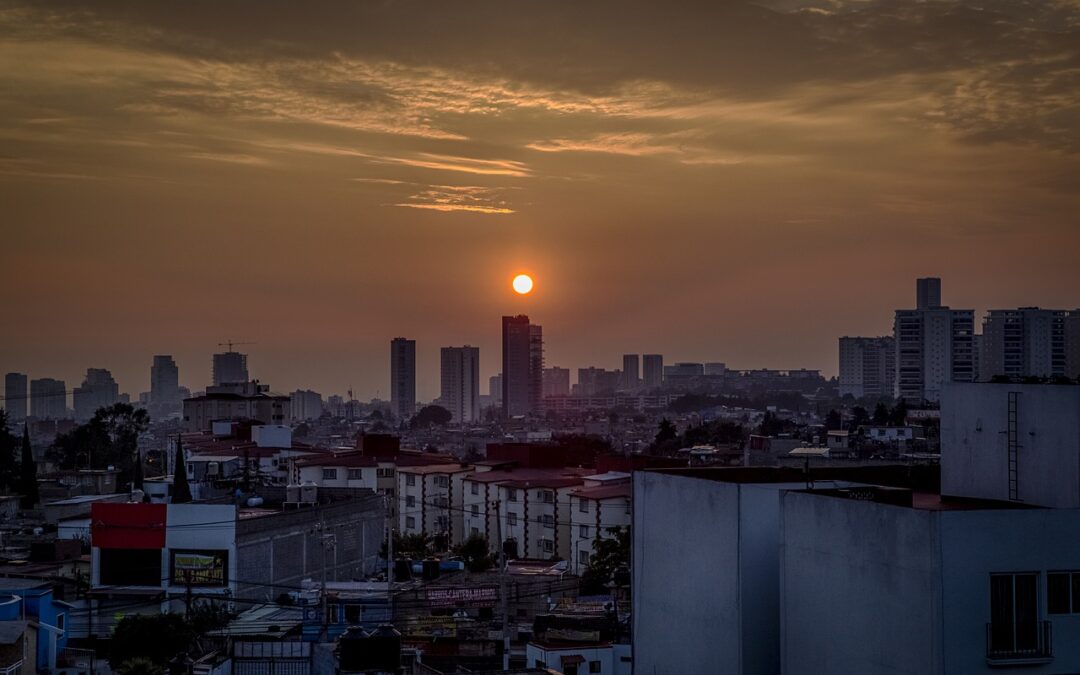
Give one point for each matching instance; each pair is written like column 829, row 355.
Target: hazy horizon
column 734, row 181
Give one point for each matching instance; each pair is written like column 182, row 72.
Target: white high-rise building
column 867, row 366
column 403, row 377
column 631, row 372
column 460, row 382
column 1023, row 342
column 305, row 405
column 934, row 345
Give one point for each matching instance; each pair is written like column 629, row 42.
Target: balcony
column 1009, row 646
column 12, row 669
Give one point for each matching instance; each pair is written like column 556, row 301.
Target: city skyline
column 320, row 179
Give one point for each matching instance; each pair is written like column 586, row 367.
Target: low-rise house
column 34, row 623
column 598, row 507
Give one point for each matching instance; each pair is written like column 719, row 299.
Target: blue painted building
column 33, row 602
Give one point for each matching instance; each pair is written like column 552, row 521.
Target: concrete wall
column 685, row 580
column 976, row 544
column 860, row 586
column 974, row 445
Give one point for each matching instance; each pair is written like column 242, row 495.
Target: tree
column 431, row 415
column 28, row 486
column 898, row 416
column 140, row 666
column 833, row 421
column 110, row 438
column 609, row 555
column 410, row 546
column 9, row 475
column 475, row 553
column 154, row 637
column 859, row 418
column 881, row 415
column 181, row 492
column 665, row 432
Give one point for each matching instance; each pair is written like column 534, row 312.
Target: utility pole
column 389, row 559
column 502, row 589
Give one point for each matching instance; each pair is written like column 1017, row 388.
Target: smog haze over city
column 738, row 181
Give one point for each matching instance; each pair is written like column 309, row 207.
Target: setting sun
column 523, row 283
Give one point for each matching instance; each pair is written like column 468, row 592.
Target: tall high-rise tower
column 934, row 345
column 403, row 377
column 15, row 397
column 631, row 372
column 523, row 366
column 460, row 382
column 653, row 370
column 230, row 368
column 164, row 386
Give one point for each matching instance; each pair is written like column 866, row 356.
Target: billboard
column 200, row 568
column 473, row 596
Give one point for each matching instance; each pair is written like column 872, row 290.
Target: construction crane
column 230, row 343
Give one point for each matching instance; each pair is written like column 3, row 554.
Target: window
column 410, row 522
column 442, row 502
column 511, row 518
column 475, row 508
column 1014, row 613
column 627, row 512
column 594, row 666
column 583, row 505
column 474, row 532
column 583, row 531
column 384, row 473
column 583, row 557
column 511, row 495
column 1063, row 593
column 356, row 474
column 548, row 520
column 410, row 479
column 442, row 523
column 547, row 545
column 410, row 501
column 60, row 621
column 546, row 496
column 474, row 488
column 442, row 481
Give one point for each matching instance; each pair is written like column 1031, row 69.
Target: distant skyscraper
column 48, row 399
column 715, row 369
column 403, row 377
column 230, row 368
column 523, row 365
column 653, row 370
column 98, row 390
column 684, row 375
column 306, row 404
column 556, row 381
column 1023, row 342
column 495, row 388
column 631, row 372
column 597, row 381
column 164, row 386
column 934, row 345
column 460, row 382
column 1072, row 344
column 15, row 397
column 928, row 293
column 867, row 366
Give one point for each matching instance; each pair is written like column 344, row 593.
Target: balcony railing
column 13, row 669
column 1034, row 644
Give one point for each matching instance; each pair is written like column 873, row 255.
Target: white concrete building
column 1018, row 442
column 580, row 659
column 872, row 586
column 1023, row 342
column 934, row 345
column 601, row 504
column 867, row 366
column 430, row 499
column 305, row 405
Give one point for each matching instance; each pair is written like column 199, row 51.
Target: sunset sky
column 729, row 181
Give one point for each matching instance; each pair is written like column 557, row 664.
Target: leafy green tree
column 9, row 474
column 28, row 485
column 110, row 438
column 411, row 546
column 859, row 418
column 475, row 553
column 154, row 637
column 429, row 416
column 609, row 554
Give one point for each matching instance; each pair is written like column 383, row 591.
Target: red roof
column 346, row 459
column 603, row 491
